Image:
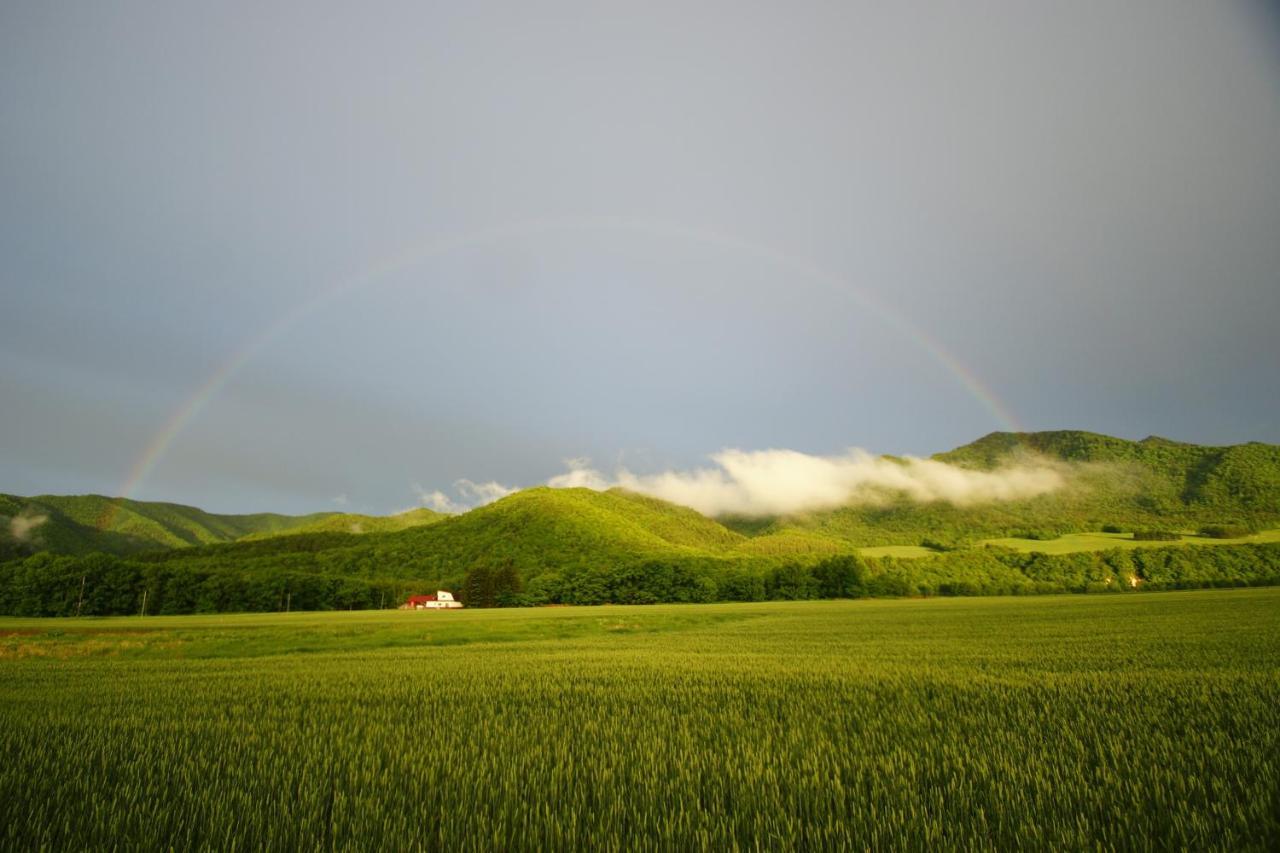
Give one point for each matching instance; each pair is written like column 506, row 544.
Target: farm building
column 442, row 600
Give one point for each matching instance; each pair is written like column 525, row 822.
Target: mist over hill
column 1107, row 481
column 1173, row 475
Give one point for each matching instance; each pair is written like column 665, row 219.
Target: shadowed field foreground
column 1053, row 722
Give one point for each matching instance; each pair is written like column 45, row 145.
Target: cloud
column 479, row 494
column 341, row 500
column 781, row 482
column 434, row 500
column 471, row 495
column 22, row 527
column 580, row 475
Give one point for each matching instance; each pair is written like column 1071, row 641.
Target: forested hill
column 1236, row 477
column 1153, row 483
column 80, row 524
column 534, row 530
column 1110, row 482
column 350, row 522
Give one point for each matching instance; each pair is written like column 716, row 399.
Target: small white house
column 442, row 600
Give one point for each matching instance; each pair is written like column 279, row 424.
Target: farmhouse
column 442, row 600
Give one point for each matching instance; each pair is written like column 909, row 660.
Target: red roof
column 420, row 599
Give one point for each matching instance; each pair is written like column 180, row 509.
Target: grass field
column 1053, row 722
column 897, row 551
column 1071, row 543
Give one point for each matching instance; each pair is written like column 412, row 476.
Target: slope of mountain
column 534, row 531
column 544, row 528
column 77, row 524
column 350, row 522
column 1237, row 478
column 1152, row 483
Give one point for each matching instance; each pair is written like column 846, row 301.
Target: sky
column 309, row 256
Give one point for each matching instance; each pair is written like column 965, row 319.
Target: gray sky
column 635, row 232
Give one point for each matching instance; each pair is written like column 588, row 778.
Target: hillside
column 545, row 527
column 535, row 530
column 1239, row 478
column 1152, row 483
column 82, row 524
column 350, row 522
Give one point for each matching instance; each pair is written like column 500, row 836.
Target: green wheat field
column 1049, row 722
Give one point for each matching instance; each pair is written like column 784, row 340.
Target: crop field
column 1115, row 721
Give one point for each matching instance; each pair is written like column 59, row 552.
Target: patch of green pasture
column 1070, row 543
column 908, row 551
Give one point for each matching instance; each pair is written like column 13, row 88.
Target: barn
column 442, row 600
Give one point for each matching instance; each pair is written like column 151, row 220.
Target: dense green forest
column 103, row 585
column 572, row 546
column 1153, row 484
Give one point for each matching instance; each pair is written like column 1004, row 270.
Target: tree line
column 102, row 585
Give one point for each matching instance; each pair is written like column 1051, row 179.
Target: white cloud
column 471, row 495
column 479, row 494
column 779, row 482
column 436, row 500
column 579, row 475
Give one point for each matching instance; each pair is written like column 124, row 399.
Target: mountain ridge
column 77, row 524
column 1149, row 482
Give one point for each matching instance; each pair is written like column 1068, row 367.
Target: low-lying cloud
column 784, row 482
column 22, row 527
column 471, row 495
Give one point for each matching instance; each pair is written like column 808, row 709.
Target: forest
column 104, row 585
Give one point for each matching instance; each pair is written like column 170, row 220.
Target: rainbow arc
column 183, row 415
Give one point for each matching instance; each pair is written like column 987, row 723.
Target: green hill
column 534, row 530
column 569, row 527
column 81, row 524
column 1152, row 483
column 349, row 522
column 1239, row 478
column 567, row 540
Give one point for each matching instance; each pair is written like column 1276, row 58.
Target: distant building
column 442, row 600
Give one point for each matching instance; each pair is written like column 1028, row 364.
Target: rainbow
column 191, row 407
